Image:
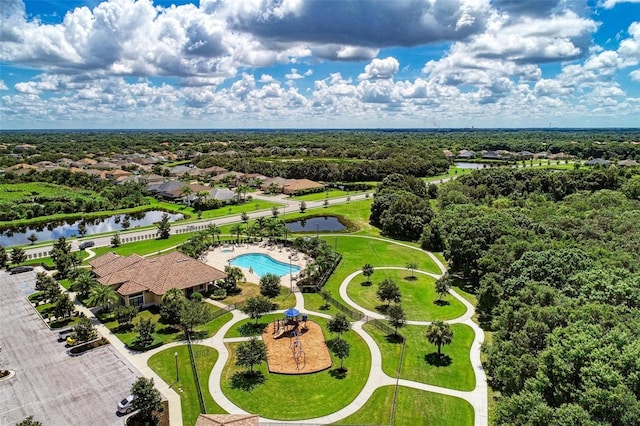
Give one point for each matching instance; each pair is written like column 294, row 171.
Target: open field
column 359, row 251
column 164, row 365
column 418, row 296
column 420, row 364
column 413, row 407
column 164, row 333
column 291, row 397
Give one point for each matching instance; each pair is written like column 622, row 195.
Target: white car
column 126, row 405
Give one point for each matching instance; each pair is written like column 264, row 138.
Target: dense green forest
column 361, row 145
column 60, row 191
column 554, row 257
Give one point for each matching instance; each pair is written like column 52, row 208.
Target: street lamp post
column 290, row 275
column 175, row 354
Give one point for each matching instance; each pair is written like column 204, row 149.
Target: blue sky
column 319, row 64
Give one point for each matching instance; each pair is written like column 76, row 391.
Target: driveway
column 49, row 384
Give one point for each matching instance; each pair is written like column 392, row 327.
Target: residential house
column 466, row 154
column 85, row 163
column 116, row 174
column 277, row 182
column 597, row 161
column 170, row 190
column 234, row 177
column 142, row 281
column 181, row 170
column 223, row 195
column 214, row 170
column 628, row 163
column 491, row 155
column 301, row 186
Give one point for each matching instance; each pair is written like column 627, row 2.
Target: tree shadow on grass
column 411, row 278
column 442, row 302
column 338, row 373
column 251, row 329
column 396, row 339
column 123, row 328
column 167, row 330
column 438, row 360
column 366, row 283
column 247, row 380
column 382, row 309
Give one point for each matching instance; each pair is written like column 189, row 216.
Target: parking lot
column 49, row 384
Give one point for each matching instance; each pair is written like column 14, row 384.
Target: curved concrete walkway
column 376, row 378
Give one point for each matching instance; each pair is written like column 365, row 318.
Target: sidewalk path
column 376, row 378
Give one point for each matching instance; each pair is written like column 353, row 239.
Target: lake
column 54, row 230
column 316, row 224
column 475, row 166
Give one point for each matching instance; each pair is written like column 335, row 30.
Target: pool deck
column 220, row 257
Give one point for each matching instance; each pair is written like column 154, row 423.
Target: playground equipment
column 298, row 353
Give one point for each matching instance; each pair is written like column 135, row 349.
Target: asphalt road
column 56, row 389
column 288, row 205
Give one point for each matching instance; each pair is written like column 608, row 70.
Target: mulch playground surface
column 311, row 348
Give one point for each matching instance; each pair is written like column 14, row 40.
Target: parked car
column 86, row 244
column 20, row 269
column 63, row 334
column 126, row 405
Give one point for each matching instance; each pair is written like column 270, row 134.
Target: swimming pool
column 263, row 264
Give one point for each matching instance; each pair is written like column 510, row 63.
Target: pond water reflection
column 314, row 224
column 54, row 230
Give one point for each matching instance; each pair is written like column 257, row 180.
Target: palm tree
column 202, row 196
column 275, row 227
column 172, row 294
column 442, row 286
column 412, row 266
column 214, row 231
column 185, row 192
column 261, row 224
column 84, row 283
column 243, row 189
column 367, row 271
column 234, row 274
column 439, row 333
column 237, row 229
column 251, row 231
column 103, row 295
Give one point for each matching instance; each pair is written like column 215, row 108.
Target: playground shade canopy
column 291, row 312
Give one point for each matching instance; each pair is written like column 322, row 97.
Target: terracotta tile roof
column 227, row 419
column 117, row 264
column 157, row 274
column 300, row 184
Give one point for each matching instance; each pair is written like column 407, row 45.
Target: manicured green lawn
column 413, row 407
column 453, row 171
column 333, row 193
column 248, row 327
column 249, row 206
column 143, row 247
column 419, row 362
column 358, row 251
column 291, row 397
column 285, row 300
column 315, row 302
column 418, row 296
column 164, row 333
column 164, row 365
